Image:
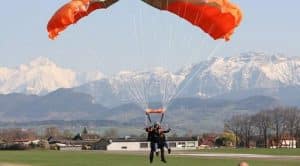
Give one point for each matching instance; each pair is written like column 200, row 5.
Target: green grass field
column 56, row 158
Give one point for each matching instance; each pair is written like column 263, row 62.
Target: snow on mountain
column 140, row 87
column 247, row 71
column 41, row 76
column 217, row 76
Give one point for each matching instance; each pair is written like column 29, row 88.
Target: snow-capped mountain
column 245, row 75
column 140, row 87
column 256, row 72
column 245, row 72
column 41, row 76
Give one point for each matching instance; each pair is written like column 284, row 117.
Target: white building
column 65, row 147
column 289, row 143
column 133, row 144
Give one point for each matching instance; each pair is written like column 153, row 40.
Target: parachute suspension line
column 161, row 90
column 135, row 92
column 147, row 119
column 139, row 93
column 146, row 87
column 142, row 45
column 140, row 52
column 162, row 118
column 192, row 77
column 179, row 89
column 165, row 91
column 169, row 91
column 197, row 18
column 144, row 91
column 134, row 89
column 137, row 35
column 135, row 97
column 215, row 49
column 164, row 84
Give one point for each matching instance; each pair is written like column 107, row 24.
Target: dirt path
column 226, row 155
column 10, row 164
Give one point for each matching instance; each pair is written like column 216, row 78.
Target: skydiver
column 161, row 144
column 162, row 139
column 153, row 137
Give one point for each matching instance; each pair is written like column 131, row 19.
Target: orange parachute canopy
column 218, row 18
column 72, row 12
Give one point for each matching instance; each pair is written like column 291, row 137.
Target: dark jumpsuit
column 162, row 138
column 153, row 137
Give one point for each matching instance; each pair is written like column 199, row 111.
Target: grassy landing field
column 57, row 158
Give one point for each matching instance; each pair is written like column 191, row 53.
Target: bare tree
column 111, row 133
column 279, row 122
column 17, row 134
column 52, row 132
column 297, row 134
column 234, row 124
column 246, row 129
column 291, row 120
column 67, row 134
column 262, row 122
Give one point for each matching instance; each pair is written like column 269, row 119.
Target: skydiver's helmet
column 156, row 125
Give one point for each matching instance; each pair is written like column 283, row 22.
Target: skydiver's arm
column 166, row 131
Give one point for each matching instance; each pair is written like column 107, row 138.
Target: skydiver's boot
column 169, row 150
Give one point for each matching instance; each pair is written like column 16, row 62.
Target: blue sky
column 132, row 35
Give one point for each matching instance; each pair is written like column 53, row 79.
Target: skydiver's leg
column 153, row 149
column 156, row 151
column 162, row 154
column 151, row 156
column 167, row 146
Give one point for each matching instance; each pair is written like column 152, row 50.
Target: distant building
column 82, row 142
column 26, row 141
column 137, row 144
column 121, row 144
column 207, row 141
column 65, row 147
column 285, row 142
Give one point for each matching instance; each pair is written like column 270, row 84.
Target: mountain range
column 240, row 76
column 183, row 114
column 41, row 76
column 205, row 93
column 237, row 77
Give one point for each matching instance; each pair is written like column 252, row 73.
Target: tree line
column 266, row 128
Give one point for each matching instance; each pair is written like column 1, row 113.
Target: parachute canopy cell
column 72, row 12
column 218, row 18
